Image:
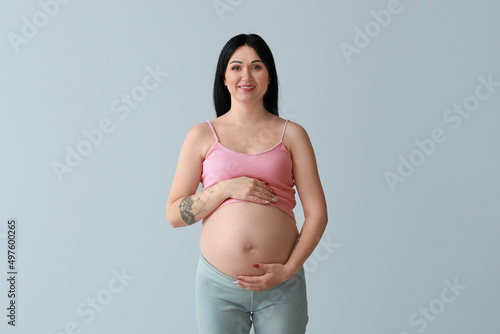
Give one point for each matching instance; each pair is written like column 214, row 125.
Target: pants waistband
column 215, row 271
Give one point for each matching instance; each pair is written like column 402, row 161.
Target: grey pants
column 224, row 308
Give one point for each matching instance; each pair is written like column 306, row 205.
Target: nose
column 246, row 75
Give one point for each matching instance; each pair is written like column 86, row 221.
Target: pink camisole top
column 273, row 166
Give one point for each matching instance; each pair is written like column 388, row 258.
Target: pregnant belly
column 237, row 235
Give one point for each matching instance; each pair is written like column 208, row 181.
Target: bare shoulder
column 295, row 133
column 200, row 138
column 297, row 141
column 201, row 132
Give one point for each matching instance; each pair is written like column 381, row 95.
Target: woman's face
column 246, row 76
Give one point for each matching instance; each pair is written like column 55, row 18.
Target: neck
column 247, row 113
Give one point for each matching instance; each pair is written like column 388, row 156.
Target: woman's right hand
column 249, row 189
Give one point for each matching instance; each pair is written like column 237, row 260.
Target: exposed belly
column 240, row 234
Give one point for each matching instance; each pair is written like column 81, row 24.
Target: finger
column 264, row 185
column 243, row 284
column 265, row 192
column 249, row 286
column 248, row 279
column 257, row 199
column 263, row 266
column 265, row 196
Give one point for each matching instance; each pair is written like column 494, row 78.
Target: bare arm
column 185, row 206
column 312, row 197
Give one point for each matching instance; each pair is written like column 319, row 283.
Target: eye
column 257, row 67
column 235, row 68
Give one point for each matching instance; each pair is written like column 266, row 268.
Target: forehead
column 243, row 53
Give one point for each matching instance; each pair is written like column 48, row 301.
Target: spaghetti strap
column 284, row 128
column 213, row 131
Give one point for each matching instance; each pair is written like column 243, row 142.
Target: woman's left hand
column 274, row 274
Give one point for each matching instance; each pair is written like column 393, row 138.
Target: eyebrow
column 240, row 62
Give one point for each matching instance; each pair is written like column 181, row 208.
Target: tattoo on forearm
column 192, row 205
column 185, row 208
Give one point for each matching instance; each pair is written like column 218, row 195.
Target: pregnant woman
column 248, row 160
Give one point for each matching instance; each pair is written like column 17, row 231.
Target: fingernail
column 267, row 202
column 275, row 199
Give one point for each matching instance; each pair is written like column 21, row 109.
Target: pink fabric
column 273, row 166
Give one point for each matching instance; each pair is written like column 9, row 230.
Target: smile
column 246, row 88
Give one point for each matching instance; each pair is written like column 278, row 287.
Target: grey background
column 386, row 254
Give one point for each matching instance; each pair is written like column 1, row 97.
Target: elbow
column 174, row 219
column 318, row 216
column 323, row 220
column 175, row 223
column 324, row 214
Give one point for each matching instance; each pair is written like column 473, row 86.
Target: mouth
column 246, row 88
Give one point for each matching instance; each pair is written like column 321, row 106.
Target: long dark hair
column 222, row 98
